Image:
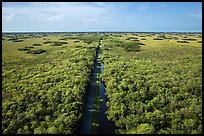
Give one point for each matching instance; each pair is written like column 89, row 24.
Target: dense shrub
column 155, row 91
column 90, row 38
column 27, row 48
column 63, row 39
column 78, row 46
column 45, row 94
column 37, row 44
column 47, row 42
column 37, row 51
column 12, row 39
column 131, row 38
column 175, row 38
column 189, row 39
column 55, row 43
column 18, row 40
column 117, row 35
column 182, row 41
column 157, row 39
column 141, row 44
column 132, row 47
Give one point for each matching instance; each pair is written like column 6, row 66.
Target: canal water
column 105, row 126
column 87, row 120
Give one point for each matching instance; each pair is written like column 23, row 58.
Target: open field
column 153, row 81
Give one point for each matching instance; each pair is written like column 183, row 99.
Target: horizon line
column 101, row 31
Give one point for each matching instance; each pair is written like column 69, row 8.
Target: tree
column 143, row 128
column 52, row 130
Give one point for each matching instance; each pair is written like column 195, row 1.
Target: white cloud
column 56, row 11
column 48, row 15
column 7, row 18
column 56, row 18
column 143, row 7
column 195, row 15
column 99, row 3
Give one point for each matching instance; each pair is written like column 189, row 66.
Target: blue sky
column 102, row 16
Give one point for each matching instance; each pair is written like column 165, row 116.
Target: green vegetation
column 86, row 38
column 26, row 48
column 131, row 47
column 47, row 42
column 33, row 51
column 158, row 39
column 157, row 90
column 182, row 41
column 90, row 38
column 36, row 51
column 153, row 87
column 44, row 94
column 54, row 43
column 18, row 40
column 59, row 43
column 189, row 39
column 37, row 44
column 132, row 38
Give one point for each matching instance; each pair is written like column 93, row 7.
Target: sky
column 101, row 16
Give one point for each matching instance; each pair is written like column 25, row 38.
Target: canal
column 104, row 126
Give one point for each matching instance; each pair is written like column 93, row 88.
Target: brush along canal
column 95, row 120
